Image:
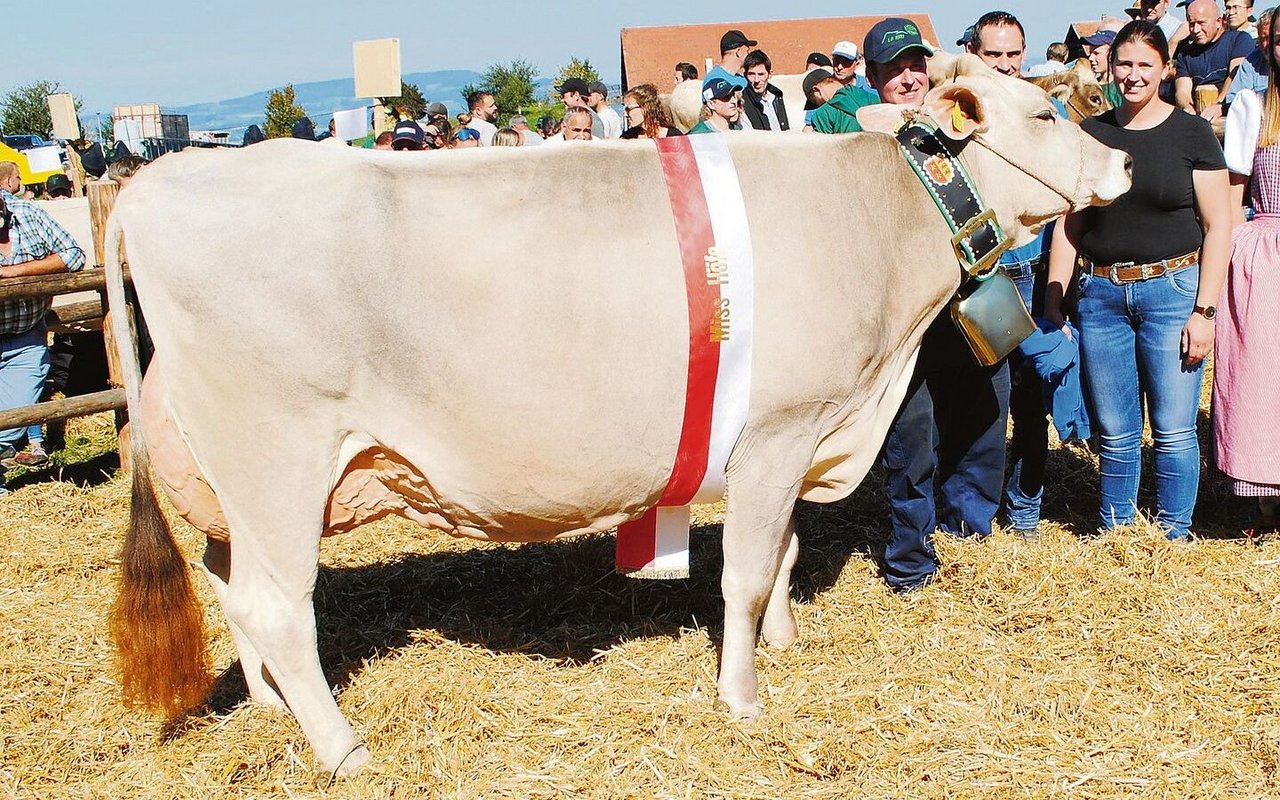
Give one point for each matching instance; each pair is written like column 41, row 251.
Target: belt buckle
column 1115, row 274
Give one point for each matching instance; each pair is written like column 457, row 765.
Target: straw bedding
column 1079, row 666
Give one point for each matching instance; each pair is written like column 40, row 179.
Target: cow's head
column 1030, row 165
column 1077, row 88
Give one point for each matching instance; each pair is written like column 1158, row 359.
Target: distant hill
column 322, row 98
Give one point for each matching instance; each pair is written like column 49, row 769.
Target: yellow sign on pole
column 62, row 110
column 377, row 66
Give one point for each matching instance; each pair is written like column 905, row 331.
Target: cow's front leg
column 779, row 628
column 757, row 532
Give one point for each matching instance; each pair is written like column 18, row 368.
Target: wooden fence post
column 102, row 198
column 77, row 171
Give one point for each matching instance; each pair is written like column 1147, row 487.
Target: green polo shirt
column 705, row 126
column 839, row 114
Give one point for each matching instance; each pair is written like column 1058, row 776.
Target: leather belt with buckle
column 1131, row 272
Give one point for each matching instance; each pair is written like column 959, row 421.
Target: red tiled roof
column 649, row 55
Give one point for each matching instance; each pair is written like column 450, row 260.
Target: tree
column 511, row 85
column 26, row 109
column 576, row 68
column 409, row 105
column 281, row 112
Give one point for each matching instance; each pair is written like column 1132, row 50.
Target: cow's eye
column 1046, row 116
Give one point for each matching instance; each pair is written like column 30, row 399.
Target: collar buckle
column 986, row 265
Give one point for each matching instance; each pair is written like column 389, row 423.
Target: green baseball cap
column 890, row 38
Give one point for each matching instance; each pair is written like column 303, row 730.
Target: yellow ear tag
column 958, row 119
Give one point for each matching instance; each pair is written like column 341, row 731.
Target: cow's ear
column 957, row 110
column 967, row 65
column 942, row 67
column 1062, row 93
column 882, row 117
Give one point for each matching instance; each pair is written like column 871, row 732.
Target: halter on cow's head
column 1031, row 165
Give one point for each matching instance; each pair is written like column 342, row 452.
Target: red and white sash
column 715, row 250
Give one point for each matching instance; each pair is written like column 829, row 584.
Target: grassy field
column 1082, row 665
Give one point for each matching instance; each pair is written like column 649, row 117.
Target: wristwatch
column 1208, row 312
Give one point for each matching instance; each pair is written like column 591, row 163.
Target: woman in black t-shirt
column 1151, row 269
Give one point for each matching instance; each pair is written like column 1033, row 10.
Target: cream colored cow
column 313, row 371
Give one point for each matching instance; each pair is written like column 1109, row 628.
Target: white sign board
column 44, row 159
column 351, row 124
column 62, row 111
column 377, row 63
column 129, row 131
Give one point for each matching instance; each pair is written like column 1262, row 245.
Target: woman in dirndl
column 1246, row 366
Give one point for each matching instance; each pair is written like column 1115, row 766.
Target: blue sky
column 182, row 53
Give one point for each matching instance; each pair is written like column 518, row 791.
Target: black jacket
column 754, row 108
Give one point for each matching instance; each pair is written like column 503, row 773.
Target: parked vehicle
column 25, row 141
column 29, row 177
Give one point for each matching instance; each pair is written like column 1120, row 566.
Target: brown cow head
column 1077, row 88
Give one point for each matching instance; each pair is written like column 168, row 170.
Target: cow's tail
column 157, row 625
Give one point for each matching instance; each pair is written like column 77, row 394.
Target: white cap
column 847, row 49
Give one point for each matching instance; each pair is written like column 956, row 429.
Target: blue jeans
column 945, row 461
column 24, row 364
column 1029, row 443
column 1130, row 349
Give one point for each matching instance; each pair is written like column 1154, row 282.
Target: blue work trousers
column 24, row 364
column 944, row 457
column 1029, row 443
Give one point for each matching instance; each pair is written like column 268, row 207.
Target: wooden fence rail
column 86, row 280
column 66, row 408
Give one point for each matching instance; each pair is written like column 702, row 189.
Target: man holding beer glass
column 1207, row 60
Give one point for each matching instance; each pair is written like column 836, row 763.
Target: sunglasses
column 467, row 133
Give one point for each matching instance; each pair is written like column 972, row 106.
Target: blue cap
column 1100, row 38
column 409, row 132
column 720, row 87
column 966, row 37
column 467, row 133
column 890, row 38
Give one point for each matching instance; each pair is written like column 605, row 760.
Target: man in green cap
column 897, row 68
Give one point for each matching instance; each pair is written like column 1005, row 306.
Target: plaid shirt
column 34, row 235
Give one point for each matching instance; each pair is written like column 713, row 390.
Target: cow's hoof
column 357, row 760
column 268, row 699
column 780, row 634
column 739, row 711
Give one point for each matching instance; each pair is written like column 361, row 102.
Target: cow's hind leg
column 275, row 513
column 757, row 533
column 217, row 568
column 779, row 628
column 270, row 599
